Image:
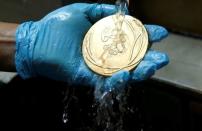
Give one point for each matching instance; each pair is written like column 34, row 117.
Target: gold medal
column 115, row 43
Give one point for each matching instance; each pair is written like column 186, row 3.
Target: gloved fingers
column 84, row 76
column 99, row 11
column 143, row 71
column 25, row 34
column 157, row 57
column 95, row 11
column 117, row 81
column 156, row 32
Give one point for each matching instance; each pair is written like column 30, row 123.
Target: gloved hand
column 51, row 47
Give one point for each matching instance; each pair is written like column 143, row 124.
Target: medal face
column 108, row 49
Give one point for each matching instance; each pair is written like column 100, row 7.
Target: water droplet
column 65, row 117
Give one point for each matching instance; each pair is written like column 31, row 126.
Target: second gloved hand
column 51, row 47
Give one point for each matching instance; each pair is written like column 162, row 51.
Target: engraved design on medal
column 114, row 43
column 108, row 47
column 114, row 39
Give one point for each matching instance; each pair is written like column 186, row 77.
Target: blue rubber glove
column 51, row 47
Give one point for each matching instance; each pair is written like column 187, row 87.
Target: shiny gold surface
column 110, row 46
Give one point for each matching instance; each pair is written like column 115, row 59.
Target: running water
column 100, row 110
column 115, row 111
column 111, row 106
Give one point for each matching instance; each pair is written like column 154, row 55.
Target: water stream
column 110, row 109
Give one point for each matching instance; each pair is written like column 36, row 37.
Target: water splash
column 111, row 110
column 110, row 107
column 65, row 118
column 68, row 95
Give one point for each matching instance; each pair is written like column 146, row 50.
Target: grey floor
column 5, row 77
column 185, row 67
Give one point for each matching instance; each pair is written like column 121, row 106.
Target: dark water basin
column 38, row 103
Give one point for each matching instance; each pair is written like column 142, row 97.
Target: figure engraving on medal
column 114, row 42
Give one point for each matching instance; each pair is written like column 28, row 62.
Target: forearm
column 7, row 46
